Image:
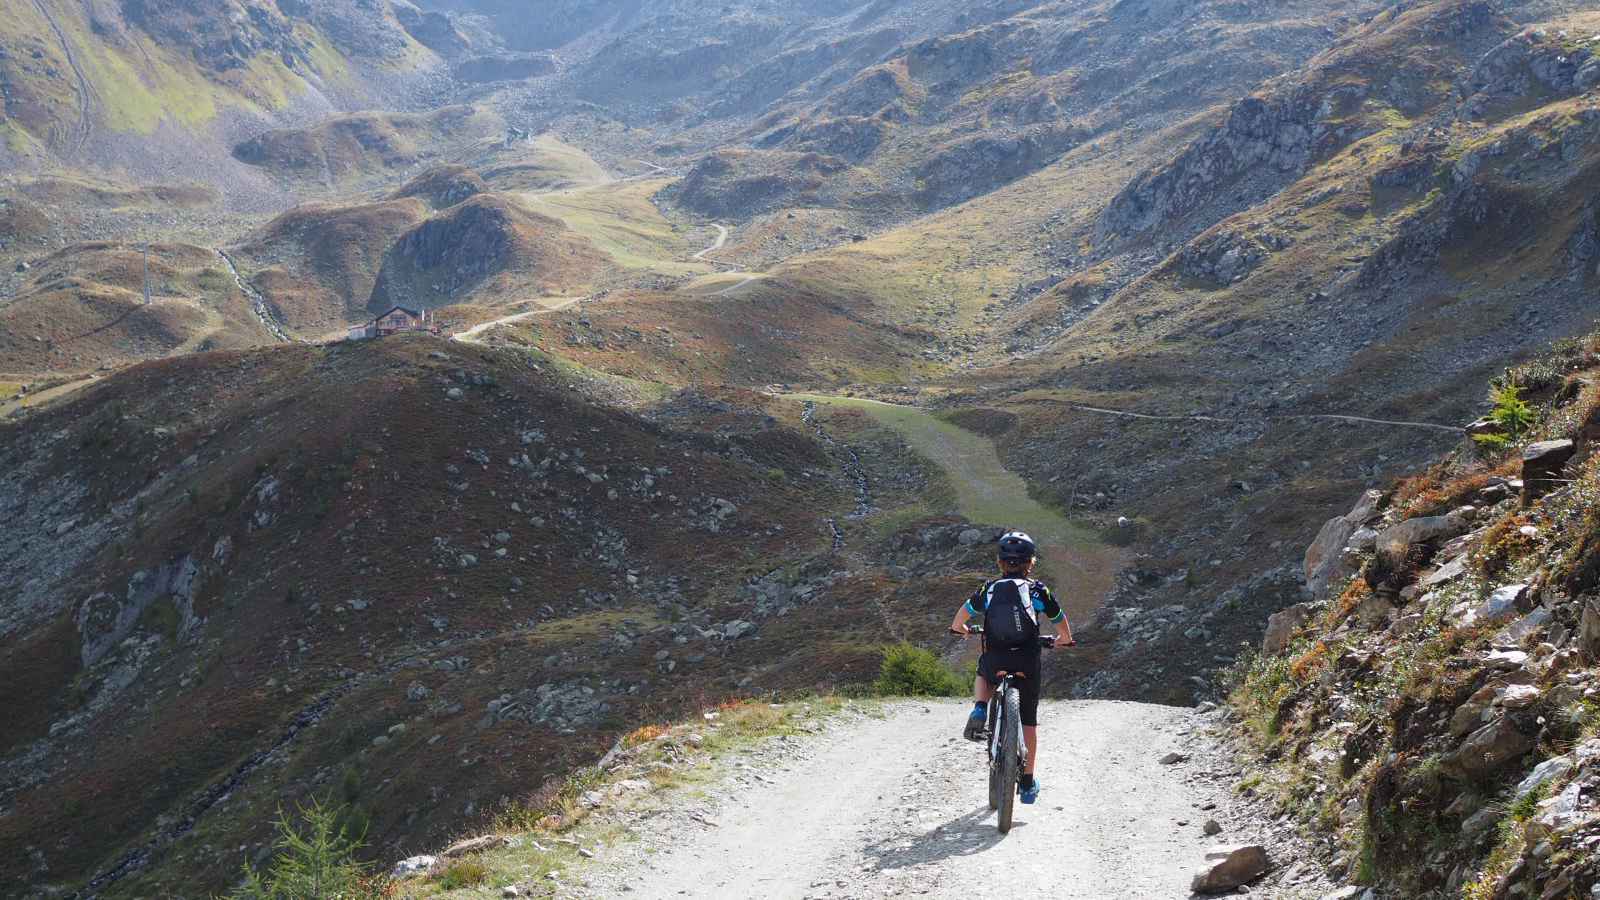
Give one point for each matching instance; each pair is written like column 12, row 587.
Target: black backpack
column 1009, row 622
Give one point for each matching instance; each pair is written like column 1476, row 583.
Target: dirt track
column 897, row 807
column 84, row 127
column 470, row 335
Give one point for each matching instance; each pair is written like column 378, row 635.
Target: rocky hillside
column 246, row 572
column 422, row 575
column 83, row 308
column 487, row 243
column 1433, row 712
column 1327, row 248
column 142, row 83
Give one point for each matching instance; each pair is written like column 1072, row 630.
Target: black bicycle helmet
column 1016, row 546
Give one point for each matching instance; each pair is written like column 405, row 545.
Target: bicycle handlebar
column 1045, row 640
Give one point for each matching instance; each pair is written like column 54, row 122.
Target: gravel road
column 896, row 806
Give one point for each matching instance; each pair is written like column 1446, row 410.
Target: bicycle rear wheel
column 1010, row 763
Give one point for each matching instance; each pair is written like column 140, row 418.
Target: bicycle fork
column 994, row 730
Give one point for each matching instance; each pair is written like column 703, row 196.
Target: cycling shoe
column 1030, row 793
column 974, row 729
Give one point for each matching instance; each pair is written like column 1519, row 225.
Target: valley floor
column 896, row 806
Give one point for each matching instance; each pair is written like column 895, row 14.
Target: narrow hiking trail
column 897, row 806
column 740, row 284
column 1333, row 417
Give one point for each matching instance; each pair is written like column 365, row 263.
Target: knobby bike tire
column 1010, row 756
column 994, row 753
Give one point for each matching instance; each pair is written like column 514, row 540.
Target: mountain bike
column 1008, row 750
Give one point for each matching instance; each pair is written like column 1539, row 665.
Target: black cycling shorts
column 1028, row 663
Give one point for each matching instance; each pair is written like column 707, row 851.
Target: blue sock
column 980, row 707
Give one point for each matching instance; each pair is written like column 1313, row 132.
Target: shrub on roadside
column 316, row 860
column 910, row 671
column 1511, row 414
column 463, row 873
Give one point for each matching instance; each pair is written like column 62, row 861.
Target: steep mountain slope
column 243, row 545
column 129, row 83
column 1412, row 280
column 487, row 243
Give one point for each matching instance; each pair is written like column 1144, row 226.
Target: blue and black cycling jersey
column 1043, row 600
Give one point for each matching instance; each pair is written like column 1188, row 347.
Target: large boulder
column 1498, row 606
column 1326, row 563
column 1229, row 867
column 1281, row 627
column 1374, row 610
column 1558, row 813
column 1489, row 748
column 1542, row 463
column 1469, row 716
column 1397, row 539
column 1553, row 769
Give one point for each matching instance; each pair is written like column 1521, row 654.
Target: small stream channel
column 850, row 462
column 258, row 303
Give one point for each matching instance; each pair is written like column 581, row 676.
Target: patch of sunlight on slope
column 140, row 85
column 1071, row 556
column 620, row 219
column 578, row 166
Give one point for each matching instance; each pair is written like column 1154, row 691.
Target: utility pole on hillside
column 147, row 273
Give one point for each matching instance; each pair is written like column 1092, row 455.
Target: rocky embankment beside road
column 1432, row 713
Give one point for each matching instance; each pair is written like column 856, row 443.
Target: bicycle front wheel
column 1009, row 765
column 995, row 752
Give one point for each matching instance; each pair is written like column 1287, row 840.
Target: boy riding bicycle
column 1010, row 606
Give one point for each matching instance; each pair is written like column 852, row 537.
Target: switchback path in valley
column 722, row 239
column 897, row 807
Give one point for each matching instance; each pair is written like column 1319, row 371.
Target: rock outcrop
column 1268, row 139
column 741, row 183
column 485, row 236
column 1327, row 563
column 1436, row 702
